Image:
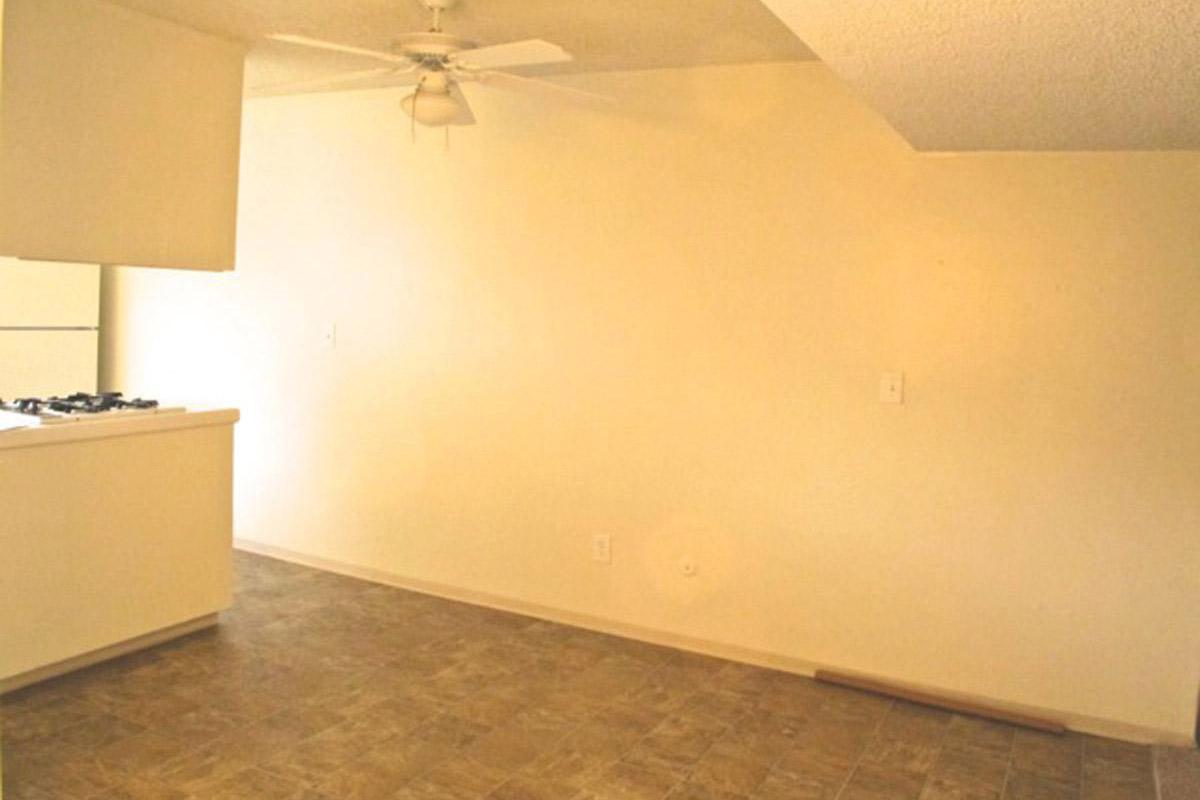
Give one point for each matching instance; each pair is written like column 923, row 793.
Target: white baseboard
column 1096, row 726
column 20, row 681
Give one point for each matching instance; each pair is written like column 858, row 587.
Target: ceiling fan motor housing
column 432, row 45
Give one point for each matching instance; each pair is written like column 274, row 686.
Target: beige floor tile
column 696, row 791
column 834, row 739
column 1178, row 771
column 516, row 743
column 383, row 772
column 809, row 767
column 524, row 788
column 787, row 786
column 971, row 766
column 677, row 743
column 140, row 789
column 624, row 781
column 1059, row 757
column 877, row 782
column 312, row 760
column 257, row 784
column 903, row 754
column 1110, row 763
column 981, row 734
column 454, row 779
column 1024, row 785
column 731, row 768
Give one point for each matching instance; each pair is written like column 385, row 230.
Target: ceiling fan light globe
column 431, row 108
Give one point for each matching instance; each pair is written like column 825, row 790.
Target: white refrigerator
column 49, row 328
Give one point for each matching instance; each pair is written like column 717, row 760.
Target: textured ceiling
column 601, row 34
column 1017, row 74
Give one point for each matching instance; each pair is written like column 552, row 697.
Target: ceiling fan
column 435, row 63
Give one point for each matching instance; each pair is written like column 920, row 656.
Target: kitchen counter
column 117, row 534
column 131, row 425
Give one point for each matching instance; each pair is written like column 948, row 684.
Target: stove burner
column 27, row 405
column 82, row 403
column 78, row 403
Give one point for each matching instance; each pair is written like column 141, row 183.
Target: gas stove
column 78, row 407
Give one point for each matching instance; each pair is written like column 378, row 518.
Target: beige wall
column 668, row 325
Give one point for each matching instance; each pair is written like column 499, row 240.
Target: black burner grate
column 78, row 403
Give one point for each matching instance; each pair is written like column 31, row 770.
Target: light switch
column 329, row 334
column 891, row 387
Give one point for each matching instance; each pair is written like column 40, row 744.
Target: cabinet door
column 119, row 137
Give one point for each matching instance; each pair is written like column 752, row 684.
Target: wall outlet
column 891, row 387
column 602, row 548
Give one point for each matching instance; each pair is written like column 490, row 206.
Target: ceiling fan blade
column 304, row 41
column 516, row 83
column 513, row 54
column 331, row 81
column 465, row 115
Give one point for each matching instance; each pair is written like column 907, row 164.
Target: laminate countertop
column 132, row 425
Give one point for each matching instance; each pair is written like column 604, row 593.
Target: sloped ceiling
column 601, row 34
column 961, row 75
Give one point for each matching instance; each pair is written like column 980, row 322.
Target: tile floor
column 1178, row 773
column 319, row 687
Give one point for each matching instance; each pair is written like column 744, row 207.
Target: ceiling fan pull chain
column 416, row 99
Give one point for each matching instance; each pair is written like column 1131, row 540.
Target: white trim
column 49, row 671
column 1097, row 726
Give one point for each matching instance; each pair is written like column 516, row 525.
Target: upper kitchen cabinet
column 119, row 137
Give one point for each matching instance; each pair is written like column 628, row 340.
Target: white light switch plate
column 891, row 387
column 329, row 334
